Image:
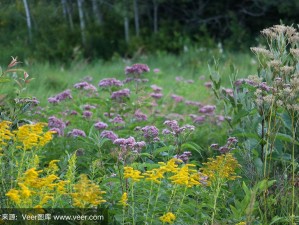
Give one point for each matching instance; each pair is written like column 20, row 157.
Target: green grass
column 51, row 79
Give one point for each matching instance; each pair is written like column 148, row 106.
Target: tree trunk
column 70, row 17
column 126, row 21
column 64, row 10
column 156, row 5
column 82, row 22
column 28, row 20
column 97, row 13
column 136, row 17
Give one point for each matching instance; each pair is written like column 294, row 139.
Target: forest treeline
column 67, row 30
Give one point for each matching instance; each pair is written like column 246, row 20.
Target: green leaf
column 286, row 138
column 192, row 147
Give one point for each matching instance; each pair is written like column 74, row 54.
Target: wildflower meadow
column 155, row 148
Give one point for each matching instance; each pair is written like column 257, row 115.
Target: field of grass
column 205, row 137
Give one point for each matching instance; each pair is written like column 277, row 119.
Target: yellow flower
column 168, row 218
column 154, row 175
column 87, row 193
column 129, row 172
column 124, row 199
column 26, row 193
column 171, row 165
column 5, row 134
column 222, row 167
column 52, row 167
column 241, row 223
column 183, row 176
column 14, row 195
column 32, row 135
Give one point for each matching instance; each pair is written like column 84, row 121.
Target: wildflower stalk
column 133, row 204
column 156, row 200
column 218, row 188
column 149, row 199
column 293, row 167
column 181, row 203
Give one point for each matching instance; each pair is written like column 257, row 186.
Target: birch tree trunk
column 70, row 17
column 156, row 5
column 136, row 17
column 97, row 13
column 64, row 10
column 126, row 21
column 28, row 20
column 82, row 21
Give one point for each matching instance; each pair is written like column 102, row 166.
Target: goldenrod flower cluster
column 168, row 218
column 129, row 172
column 222, row 167
column 5, row 133
column 32, row 135
column 87, row 193
column 124, row 199
column 186, row 176
column 33, row 188
column 241, row 223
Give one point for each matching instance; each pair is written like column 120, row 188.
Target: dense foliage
column 65, row 30
column 107, row 143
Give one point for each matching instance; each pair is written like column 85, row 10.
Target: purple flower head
column 229, row 92
column 60, row 97
column 137, row 69
column 166, row 131
column 220, row 118
column 199, row 119
column 187, row 127
column 173, row 125
column 224, row 149
column 208, row 109
column 150, row 132
column 57, row 130
column 109, row 134
column 110, row 82
column 190, row 81
column 193, row 103
column 156, row 95
column 34, row 101
column 140, row 116
column 214, row 146
column 264, row 87
column 129, row 143
column 156, row 70
column 100, row 125
column 52, row 100
column 232, row 140
column 156, row 88
column 125, row 93
column 118, row 119
column 54, row 122
column 74, row 113
column 184, row 156
column 177, row 98
column 208, row 84
column 85, row 85
column 87, row 114
column 77, row 133
column 89, row 107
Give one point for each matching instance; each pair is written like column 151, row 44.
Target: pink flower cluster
column 77, row 133
column 184, row 156
column 137, row 69
column 109, row 135
column 129, row 143
column 57, row 125
column 139, row 116
column 60, row 97
column 177, row 98
column 110, row 82
column 100, row 125
column 121, row 94
column 175, row 129
column 207, row 109
column 85, row 85
column 150, row 132
column 229, row 146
